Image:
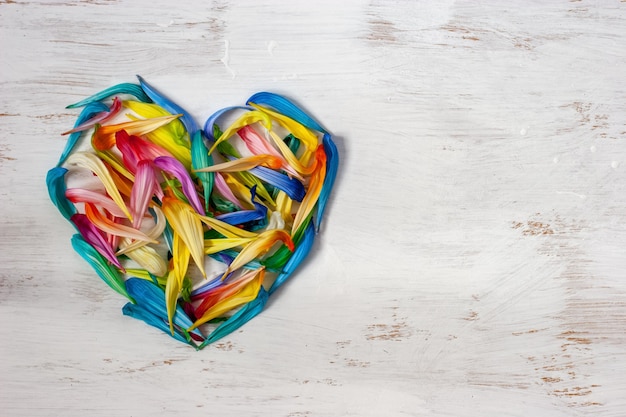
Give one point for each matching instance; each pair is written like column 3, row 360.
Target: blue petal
column 291, row 186
column 332, row 165
column 170, row 106
column 303, row 247
column 87, row 113
column 55, row 180
column 208, row 125
column 152, row 298
column 123, row 88
column 244, row 216
column 140, row 313
column 241, row 317
column 285, row 107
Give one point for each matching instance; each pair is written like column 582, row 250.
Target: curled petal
column 315, row 187
column 147, row 257
column 106, row 272
column 286, row 107
column 303, row 247
column 123, row 88
column 244, row 216
column 246, row 119
column 222, row 187
column 55, row 180
column 210, row 123
column 169, row 105
column 332, row 165
column 98, row 118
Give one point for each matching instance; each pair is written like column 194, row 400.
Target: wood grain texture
column 473, row 259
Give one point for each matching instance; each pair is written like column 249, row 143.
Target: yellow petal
column 217, row 245
column 186, row 222
column 248, row 293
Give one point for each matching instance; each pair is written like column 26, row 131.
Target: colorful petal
column 200, row 159
column 95, row 165
column 170, row 106
column 244, row 295
column 152, row 298
column 143, row 314
column 332, row 165
column 123, row 88
column 186, row 223
column 94, row 237
column 104, row 136
column 55, row 180
column 284, row 106
column 142, row 192
column 315, row 187
column 258, row 247
column 303, row 247
column 177, row 170
column 110, row 275
column 98, row 118
column 87, row 113
column 101, row 222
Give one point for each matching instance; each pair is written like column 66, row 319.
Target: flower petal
column 286, row 107
column 98, row 118
column 95, row 165
column 167, row 104
column 123, row 88
column 332, row 165
column 200, row 158
column 87, row 113
column 106, row 272
column 94, row 237
column 176, row 169
column 186, row 223
column 55, row 180
column 143, row 314
column 303, row 247
column 104, row 136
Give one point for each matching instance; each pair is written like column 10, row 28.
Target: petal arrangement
column 195, row 226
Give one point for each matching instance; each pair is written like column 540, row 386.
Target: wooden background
column 472, row 262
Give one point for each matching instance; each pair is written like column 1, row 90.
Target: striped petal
column 315, row 187
column 177, row 170
column 186, row 223
column 258, row 247
column 98, row 118
column 94, row 238
column 200, row 159
column 104, row 137
column 123, row 88
column 95, row 165
column 332, row 166
column 106, row 272
column 285, row 106
column 101, row 222
column 87, row 113
column 303, row 247
column 142, row 192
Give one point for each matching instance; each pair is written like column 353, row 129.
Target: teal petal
column 55, row 180
column 303, row 248
column 332, row 165
column 109, row 274
column 123, row 88
column 200, row 158
column 141, row 313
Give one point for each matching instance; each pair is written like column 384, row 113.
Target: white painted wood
column 473, row 259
